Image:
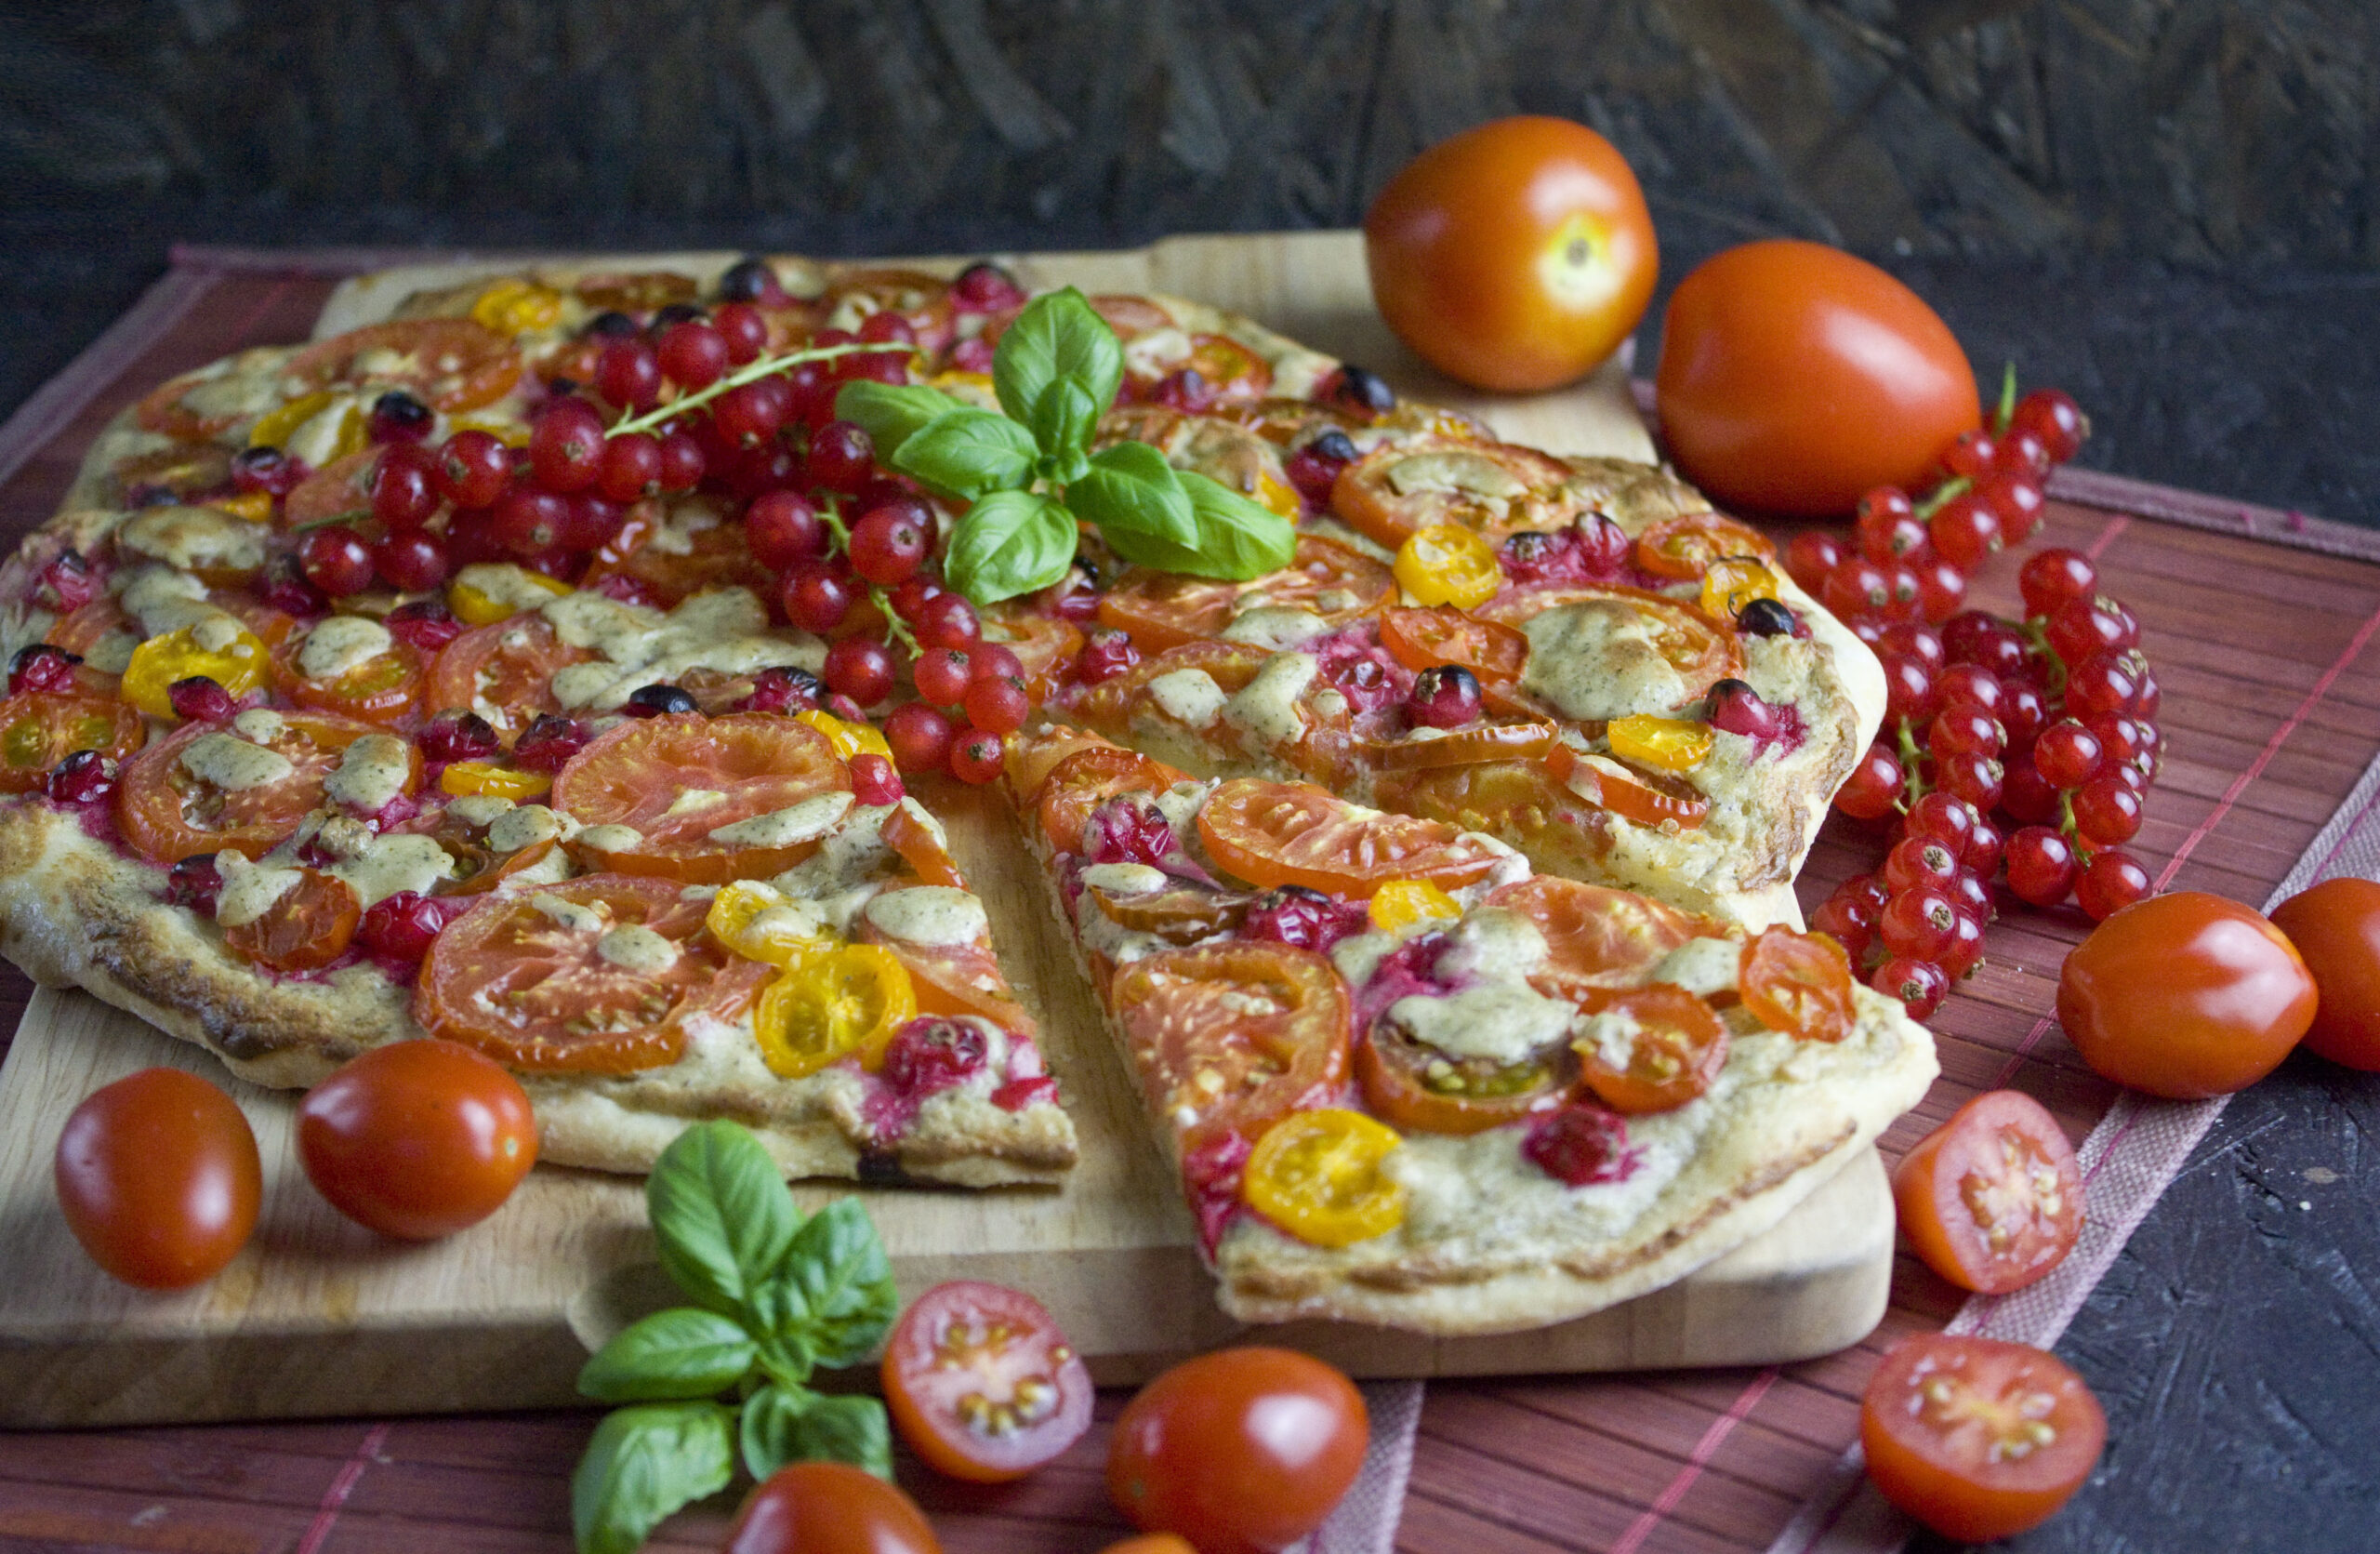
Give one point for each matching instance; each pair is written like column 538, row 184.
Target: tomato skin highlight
column 417, row 1139
column 2185, row 996
column 1243, row 1451
column 160, row 1179
column 1944, row 1478
column 1944, row 1187
column 830, row 1508
column 929, row 1375
column 1880, row 386
column 2334, row 927
column 1514, row 256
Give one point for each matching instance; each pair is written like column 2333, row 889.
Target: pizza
column 569, row 662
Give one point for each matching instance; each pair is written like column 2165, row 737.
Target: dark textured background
column 2167, row 206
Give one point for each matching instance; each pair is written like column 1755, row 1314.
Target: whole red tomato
column 417, row 1139
column 2336, row 927
column 1794, row 377
column 159, row 1177
column 1514, row 256
column 830, row 1508
column 2185, row 996
column 1243, row 1451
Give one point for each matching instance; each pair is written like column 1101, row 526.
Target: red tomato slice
column 1204, row 1051
column 504, row 671
column 1033, row 754
column 982, row 1385
column 170, row 814
column 1978, row 1438
column 1504, row 741
column 1165, row 609
column 1088, row 777
column 38, row 729
column 305, row 930
column 1799, row 983
column 533, row 990
column 1111, row 705
column 695, row 559
column 1494, row 489
column 1279, row 833
column 1686, row 547
column 647, row 773
column 1422, row 639
column 1598, row 938
column 163, row 410
column 922, row 301
column 339, row 489
column 384, row 689
column 955, row 980
column 1702, row 650
column 1992, row 1199
column 1630, row 791
column 921, row 849
column 1044, row 645
column 448, row 364
column 1418, row 1089
column 1130, row 315
column 1679, row 1048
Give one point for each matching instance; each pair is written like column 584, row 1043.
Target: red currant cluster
column 2017, row 747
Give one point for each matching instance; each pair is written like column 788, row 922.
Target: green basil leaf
column 841, row 1428
column 767, row 1430
column 681, row 1353
column 891, row 413
column 1009, row 543
column 644, row 1463
column 1063, row 418
column 837, row 1266
column 721, row 1214
column 1147, row 550
column 781, row 1331
column 969, row 453
column 1238, row 538
column 1058, row 335
column 1131, row 487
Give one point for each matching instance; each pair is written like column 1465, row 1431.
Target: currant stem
column 2035, row 630
column 1914, row 785
column 2007, row 412
column 830, row 515
column 750, row 373
column 1957, row 486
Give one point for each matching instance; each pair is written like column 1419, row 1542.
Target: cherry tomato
column 1088, row 778
column 1494, row 490
column 38, row 729
column 448, row 364
column 1992, row 1200
column 1165, row 609
column 1686, row 547
column 1880, row 386
column 1514, row 256
column 1502, row 741
column 1033, row 755
column 417, row 1139
column 1631, row 792
column 1702, row 649
column 385, row 688
column 308, row 928
column 1279, row 833
column 1180, row 1014
column 679, row 780
column 1316, row 1175
column 830, row 1508
column 1117, row 702
column 1420, row 1089
column 503, row 671
column 1800, row 983
column 160, row 1179
column 1976, row 1438
column 2336, row 927
column 1676, row 1049
column 1422, row 639
column 981, row 1383
column 2185, row 996
column 1243, row 1451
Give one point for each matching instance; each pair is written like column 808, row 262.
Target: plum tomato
column 159, row 1176
column 417, row 1139
column 1992, row 1200
column 2185, row 996
column 830, row 1508
column 1515, row 256
column 1880, row 386
column 1976, row 1438
column 2335, row 928
column 981, row 1383
column 1243, row 1451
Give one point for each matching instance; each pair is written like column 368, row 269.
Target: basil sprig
column 775, row 1295
column 1031, row 474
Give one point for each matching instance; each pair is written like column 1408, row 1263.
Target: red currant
column 1965, row 949
column 860, row 667
column 1811, row 557
column 1965, row 530
column 1965, row 731
column 1919, row 984
column 1969, row 685
column 947, row 620
column 682, row 462
column 1909, row 687
column 336, row 560
column 2055, row 418
column 941, row 675
column 745, row 330
column 2147, row 695
column 997, row 706
column 1984, row 848
column 1971, row 892
column 989, row 660
column 889, row 542
column 1941, row 588
column 566, row 447
column 1977, row 778
column 2082, row 627
column 842, row 458
column 590, row 521
column 1867, row 892
column 693, row 353
column 1107, row 653
column 2016, row 498
column 1914, row 639
column 266, row 470
column 473, row 468
column 1973, row 637
column 783, row 529
column 985, row 288
column 1841, row 919
column 2113, row 881
column 631, row 469
column 529, row 520
column 919, row 736
column 2068, row 753
column 1918, row 922
column 816, row 598
column 1856, row 587
column 1970, row 456
column 413, row 563
column 404, row 489
column 2024, row 712
column 976, row 756
column 2040, row 866
column 2050, row 577
column 628, row 375
column 1886, row 528
column 1920, row 863
column 750, row 414
column 1943, row 818
column 1872, row 789
column 886, row 328
column 2107, row 812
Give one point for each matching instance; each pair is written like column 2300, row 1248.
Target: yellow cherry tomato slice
column 1447, row 565
column 848, row 738
column 1664, row 744
column 1401, row 903
column 219, row 649
column 1734, row 581
column 502, row 782
column 833, row 1004
column 513, row 305
column 273, row 427
column 474, row 605
column 761, row 922
column 1316, row 1175
column 249, row 507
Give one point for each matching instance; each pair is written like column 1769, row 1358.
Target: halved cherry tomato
column 1185, row 912
column 2335, row 927
column 1422, row 638
column 38, row 729
column 1229, row 369
column 310, row 925
column 340, row 489
column 921, row 849
column 1402, row 903
column 1501, row 741
column 169, row 813
column 1316, row 1175
column 1703, row 650
column 417, row 1139
column 463, row 778
column 1798, row 983
column 696, row 557
column 1676, row 1049
column 678, row 780
column 1686, row 547
column 503, row 672
column 1495, row 491
column 1159, row 610
column 1033, row 754
column 525, row 978
column 830, row 1508
column 384, row 689
column 1279, row 833
column 1664, row 744
column 1976, row 1438
column 1731, row 582
column 1420, row 1089
column 1088, row 777
column 448, row 364
column 982, row 1385
column 160, row 1179
column 1595, row 937
column 1444, row 565
column 848, row 738
column 513, row 305
column 1228, row 1039
column 1992, row 1199
column 761, row 922
column 1630, row 792
column 838, row 1002
column 218, row 647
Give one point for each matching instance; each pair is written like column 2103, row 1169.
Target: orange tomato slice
column 1165, row 609
column 1630, row 792
column 1504, row 741
column 1678, row 1048
column 1798, row 983
column 678, row 780
column 1597, row 937
column 1279, row 833
column 1685, row 547
column 1078, row 785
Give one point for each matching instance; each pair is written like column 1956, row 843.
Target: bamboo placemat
column 2258, row 623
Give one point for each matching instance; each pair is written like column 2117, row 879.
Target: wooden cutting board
column 318, row 1317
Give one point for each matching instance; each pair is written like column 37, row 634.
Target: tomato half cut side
column 1280, row 833
column 1159, row 610
column 1112, row 705
column 1992, row 1199
column 1596, row 937
column 685, row 782
column 1034, row 754
column 384, row 689
column 1504, row 741
column 310, row 925
column 955, row 980
column 503, row 671
column 1045, row 648
column 1419, row 1089
column 1798, row 983
column 1088, row 777
column 921, row 849
column 1676, row 1047
column 1700, row 648
column 1494, row 489
column 38, row 729
column 982, row 1385
column 1976, row 1438
column 1212, row 1063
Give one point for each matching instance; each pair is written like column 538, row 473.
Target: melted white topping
column 478, row 809
column 1266, row 711
column 233, row 764
column 259, row 725
column 393, row 863
column 1275, row 626
column 1187, row 695
column 516, row 588
column 693, row 799
column 371, row 772
column 1702, row 967
column 1124, row 879
column 1598, row 658
column 928, row 915
column 164, row 599
column 1500, row 1021
column 248, row 891
column 633, row 946
column 524, row 826
column 1492, row 941
column 341, row 644
column 192, row 536
column 568, row 914
column 611, row 839
column 811, row 819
